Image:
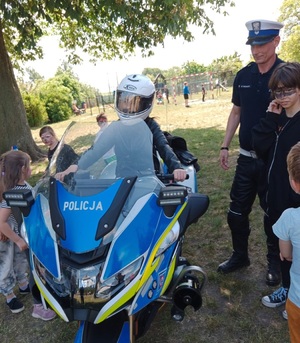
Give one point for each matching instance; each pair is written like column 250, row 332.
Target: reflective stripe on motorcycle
column 169, row 275
column 150, row 267
column 120, row 299
column 50, row 299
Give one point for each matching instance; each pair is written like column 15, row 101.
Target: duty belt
column 247, row 153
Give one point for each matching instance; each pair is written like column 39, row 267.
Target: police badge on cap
column 262, row 31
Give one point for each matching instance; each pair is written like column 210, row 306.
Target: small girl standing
column 14, row 171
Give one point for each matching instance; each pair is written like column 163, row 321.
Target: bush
column 58, row 100
column 35, row 110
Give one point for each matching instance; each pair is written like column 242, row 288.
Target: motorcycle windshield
column 122, row 149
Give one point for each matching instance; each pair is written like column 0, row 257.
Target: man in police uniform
column 251, row 97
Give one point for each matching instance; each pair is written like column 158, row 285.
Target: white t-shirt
column 287, row 228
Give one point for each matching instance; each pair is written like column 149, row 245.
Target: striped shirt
column 11, row 219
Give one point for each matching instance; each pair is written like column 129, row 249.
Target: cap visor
column 259, row 41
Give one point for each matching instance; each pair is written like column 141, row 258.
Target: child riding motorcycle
column 134, row 100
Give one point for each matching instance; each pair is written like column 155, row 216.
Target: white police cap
column 262, row 31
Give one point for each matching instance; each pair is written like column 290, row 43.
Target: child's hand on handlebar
column 179, row 174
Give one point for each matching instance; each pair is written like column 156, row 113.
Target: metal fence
column 100, row 101
column 210, row 81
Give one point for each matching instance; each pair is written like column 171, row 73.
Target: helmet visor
column 132, row 104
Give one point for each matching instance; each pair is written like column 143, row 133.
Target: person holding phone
column 273, row 138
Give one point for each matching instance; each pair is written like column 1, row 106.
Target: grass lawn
column 232, row 311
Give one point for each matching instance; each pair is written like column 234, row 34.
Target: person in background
column 102, row 123
column 287, row 229
column 159, row 98
column 67, row 155
column 166, row 93
column 101, row 120
column 14, row 171
column 83, row 106
column 251, row 98
column 203, row 92
column 76, row 110
column 186, row 93
column 273, row 137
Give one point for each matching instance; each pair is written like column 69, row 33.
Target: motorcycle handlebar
column 169, row 177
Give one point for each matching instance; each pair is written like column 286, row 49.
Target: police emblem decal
column 256, row 25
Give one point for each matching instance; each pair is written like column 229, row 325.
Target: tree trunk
column 14, row 128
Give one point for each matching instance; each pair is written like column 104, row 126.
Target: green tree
column 173, row 72
column 152, row 72
column 70, row 81
column 35, row 109
column 57, row 98
column 33, row 75
column 290, row 48
column 226, row 66
column 104, row 29
column 290, row 16
column 192, row 67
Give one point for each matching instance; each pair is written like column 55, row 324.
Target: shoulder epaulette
column 250, row 64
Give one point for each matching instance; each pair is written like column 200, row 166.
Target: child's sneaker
column 15, row 305
column 276, row 299
column 285, row 315
column 41, row 313
column 24, row 291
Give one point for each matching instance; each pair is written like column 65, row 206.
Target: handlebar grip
column 169, row 177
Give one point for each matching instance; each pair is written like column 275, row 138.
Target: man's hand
column 224, row 159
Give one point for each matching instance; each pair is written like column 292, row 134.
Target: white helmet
column 134, row 97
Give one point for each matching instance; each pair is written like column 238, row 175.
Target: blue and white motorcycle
column 105, row 246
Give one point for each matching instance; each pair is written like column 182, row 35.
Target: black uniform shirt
column 251, row 93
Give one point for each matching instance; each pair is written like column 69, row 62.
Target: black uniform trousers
column 249, row 181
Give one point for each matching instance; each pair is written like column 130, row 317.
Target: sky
column 231, row 36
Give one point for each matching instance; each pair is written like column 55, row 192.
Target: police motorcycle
column 105, row 250
column 105, row 244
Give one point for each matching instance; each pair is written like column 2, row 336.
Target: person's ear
column 276, row 41
column 24, row 169
column 295, row 185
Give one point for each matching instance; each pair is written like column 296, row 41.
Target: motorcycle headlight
column 169, row 240
column 84, row 287
column 60, row 286
column 107, row 288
